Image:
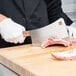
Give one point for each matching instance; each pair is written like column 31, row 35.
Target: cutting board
column 27, row 60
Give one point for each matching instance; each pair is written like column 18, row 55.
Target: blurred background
column 69, row 7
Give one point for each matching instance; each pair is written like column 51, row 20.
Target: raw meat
column 72, row 40
column 66, row 55
column 55, row 40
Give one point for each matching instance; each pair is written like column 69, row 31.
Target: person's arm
column 2, row 17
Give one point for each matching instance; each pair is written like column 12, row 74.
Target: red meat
column 55, row 40
column 66, row 55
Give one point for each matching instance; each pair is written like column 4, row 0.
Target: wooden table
column 35, row 61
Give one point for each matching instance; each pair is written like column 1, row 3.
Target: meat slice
column 72, row 40
column 55, row 40
column 67, row 55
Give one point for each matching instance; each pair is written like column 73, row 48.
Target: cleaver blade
column 56, row 29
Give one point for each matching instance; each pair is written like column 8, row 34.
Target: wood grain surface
column 27, row 60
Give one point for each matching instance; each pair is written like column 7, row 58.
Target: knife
column 56, row 29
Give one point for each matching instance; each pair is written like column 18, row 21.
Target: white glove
column 72, row 31
column 11, row 31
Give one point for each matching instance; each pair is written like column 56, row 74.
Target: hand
column 11, row 31
column 71, row 31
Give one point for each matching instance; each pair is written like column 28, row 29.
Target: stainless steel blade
column 57, row 29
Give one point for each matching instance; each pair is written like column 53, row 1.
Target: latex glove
column 11, row 31
column 71, row 31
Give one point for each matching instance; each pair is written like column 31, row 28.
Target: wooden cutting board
column 27, row 60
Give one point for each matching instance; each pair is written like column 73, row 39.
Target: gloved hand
column 11, row 31
column 71, row 31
